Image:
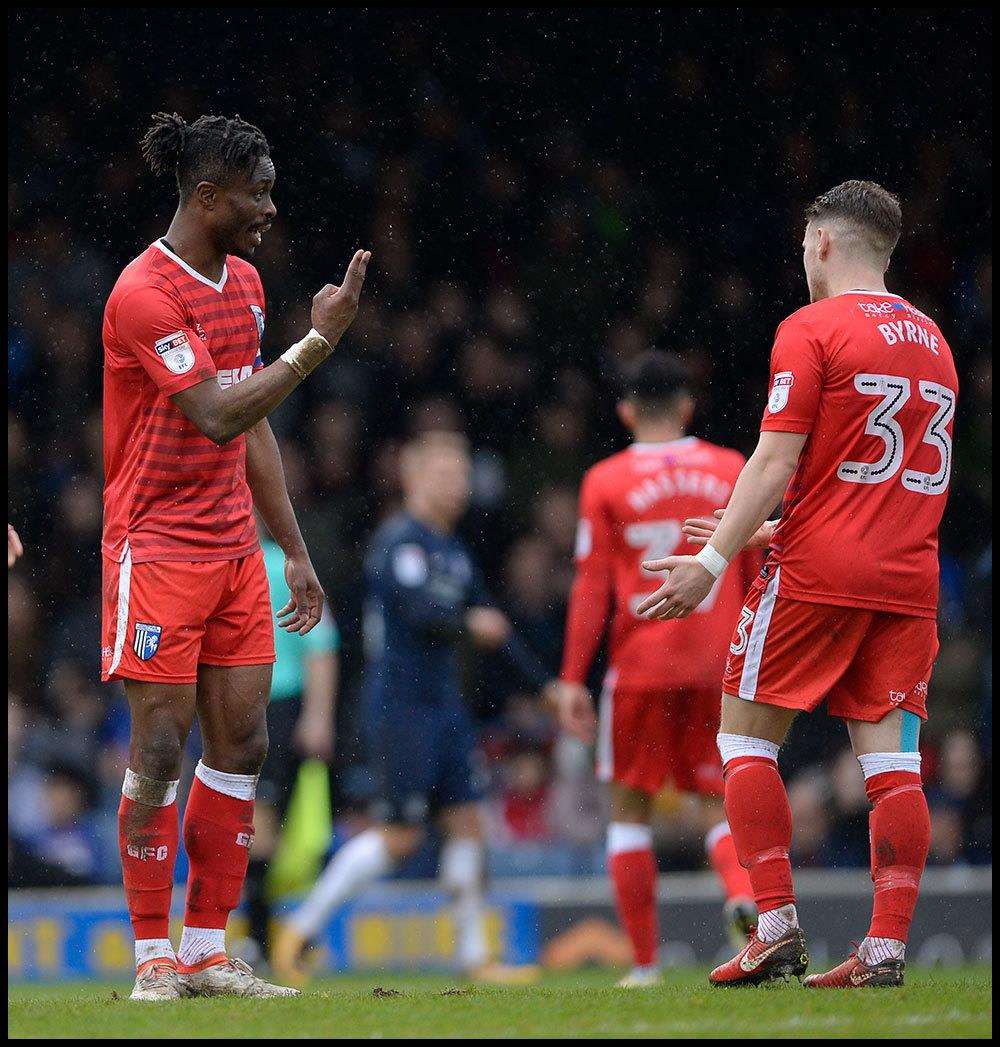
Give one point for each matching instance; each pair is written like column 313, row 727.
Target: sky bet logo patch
column 147, row 640
column 176, row 352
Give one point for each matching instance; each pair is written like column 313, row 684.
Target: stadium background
column 545, row 195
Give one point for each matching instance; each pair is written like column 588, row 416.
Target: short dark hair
column 870, row 207
column 211, row 149
column 654, row 380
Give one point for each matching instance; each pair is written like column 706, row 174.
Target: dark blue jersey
column 420, row 582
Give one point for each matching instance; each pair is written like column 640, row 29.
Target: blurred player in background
column 425, row 594
column 300, row 726
column 188, row 455
column 659, row 708
column 857, row 437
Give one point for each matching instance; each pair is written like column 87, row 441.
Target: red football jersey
column 170, row 493
column 872, row 381
column 632, row 507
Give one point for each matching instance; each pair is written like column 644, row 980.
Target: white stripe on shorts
column 121, row 622
column 605, row 721
column 758, row 634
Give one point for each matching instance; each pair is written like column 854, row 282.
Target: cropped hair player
column 659, row 703
column 857, row 439
column 188, row 456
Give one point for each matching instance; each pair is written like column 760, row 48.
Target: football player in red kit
column 659, row 707
column 188, row 455
column 857, row 437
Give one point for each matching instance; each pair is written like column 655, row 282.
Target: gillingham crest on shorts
column 147, row 640
column 258, row 315
column 176, row 352
column 779, row 391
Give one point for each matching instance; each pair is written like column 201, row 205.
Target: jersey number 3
column 894, row 391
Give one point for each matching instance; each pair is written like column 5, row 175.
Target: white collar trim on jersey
column 880, row 294
column 194, row 272
column 681, row 441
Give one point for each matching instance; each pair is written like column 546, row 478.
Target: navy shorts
column 422, row 756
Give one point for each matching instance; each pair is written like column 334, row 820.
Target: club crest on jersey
column 258, row 315
column 176, row 352
column 779, row 391
column 147, row 640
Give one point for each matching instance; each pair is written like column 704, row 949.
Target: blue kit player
column 425, row 597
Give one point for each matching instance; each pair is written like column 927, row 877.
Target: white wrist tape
column 305, row 356
column 712, row 560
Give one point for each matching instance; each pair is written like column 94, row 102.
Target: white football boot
column 156, row 982
column 222, row 976
column 642, row 978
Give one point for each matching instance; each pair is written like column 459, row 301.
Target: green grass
column 947, row 1002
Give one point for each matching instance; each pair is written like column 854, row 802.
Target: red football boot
column 854, row 973
column 759, row 962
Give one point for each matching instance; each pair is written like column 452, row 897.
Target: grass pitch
column 947, row 1003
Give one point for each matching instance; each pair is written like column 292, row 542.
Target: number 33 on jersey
column 872, row 382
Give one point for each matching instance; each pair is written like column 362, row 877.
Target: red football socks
column 900, row 829
column 218, row 831
column 724, row 861
column 761, row 823
column 633, row 875
column 147, row 840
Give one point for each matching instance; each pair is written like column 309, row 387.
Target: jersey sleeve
column 590, row 596
column 151, row 327
column 796, row 379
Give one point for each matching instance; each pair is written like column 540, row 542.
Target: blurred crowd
column 545, row 197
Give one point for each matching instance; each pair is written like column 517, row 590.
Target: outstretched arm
column 266, row 479
column 761, row 485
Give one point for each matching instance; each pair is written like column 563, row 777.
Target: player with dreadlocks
column 188, row 456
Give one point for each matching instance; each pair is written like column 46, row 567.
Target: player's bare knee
column 755, row 720
column 402, row 840
column 155, row 753
column 629, row 805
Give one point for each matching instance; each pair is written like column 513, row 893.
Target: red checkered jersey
column 872, row 381
column 632, row 507
column 170, row 493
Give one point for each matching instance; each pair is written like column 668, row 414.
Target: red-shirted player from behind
column 188, row 455
column 659, row 708
column 857, row 437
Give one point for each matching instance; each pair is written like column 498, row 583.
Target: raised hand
column 699, row 530
column 334, row 307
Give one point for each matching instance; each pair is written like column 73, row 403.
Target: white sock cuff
column 629, row 836
column 715, row 834
column 732, row 746
column 147, row 949
column 148, row 791
column 461, row 865
column 880, row 763
column 239, row 786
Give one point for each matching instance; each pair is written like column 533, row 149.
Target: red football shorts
column 160, row 621
column 648, row 738
column 794, row 654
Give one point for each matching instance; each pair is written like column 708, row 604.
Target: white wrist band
column 305, row 356
column 712, row 560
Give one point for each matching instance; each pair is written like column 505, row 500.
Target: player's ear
column 823, row 244
column 626, row 414
column 685, row 409
column 206, row 194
